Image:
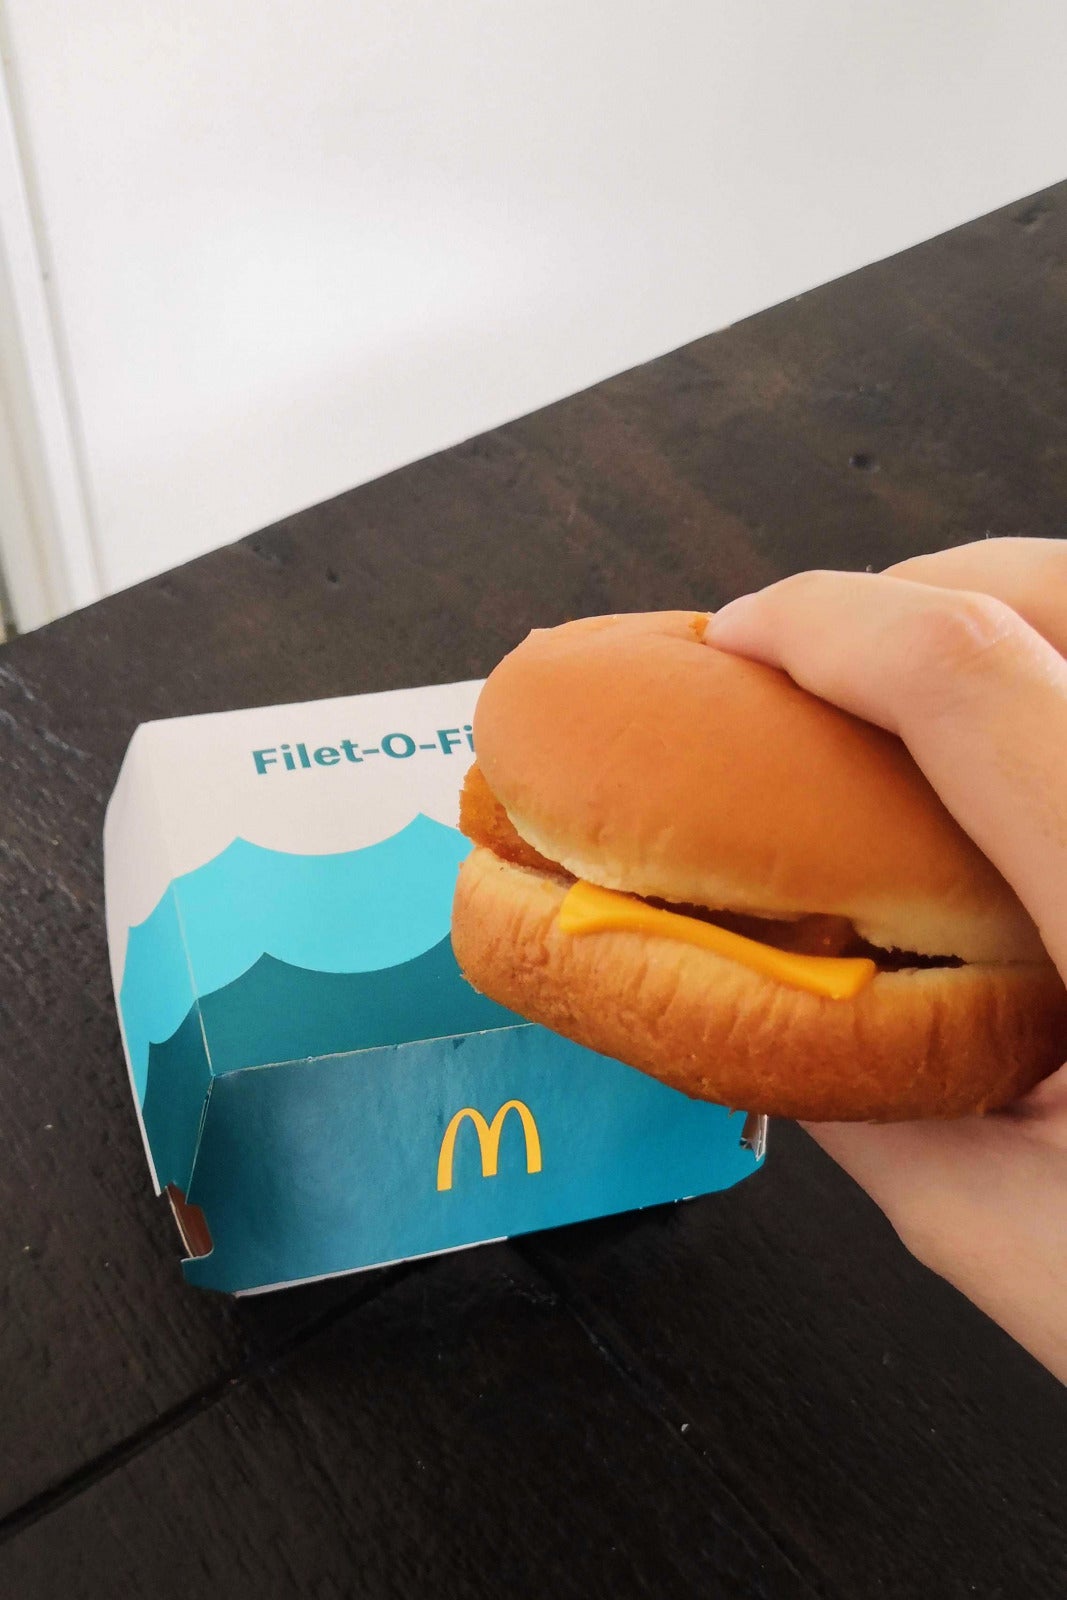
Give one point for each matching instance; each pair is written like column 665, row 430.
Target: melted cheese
column 589, row 909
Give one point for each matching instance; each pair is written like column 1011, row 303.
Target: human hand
column 961, row 654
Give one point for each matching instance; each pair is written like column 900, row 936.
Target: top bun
column 641, row 759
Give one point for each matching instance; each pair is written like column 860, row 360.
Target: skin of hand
column 961, row 654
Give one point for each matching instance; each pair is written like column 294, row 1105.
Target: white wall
column 292, row 246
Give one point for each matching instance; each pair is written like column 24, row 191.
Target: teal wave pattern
column 357, row 911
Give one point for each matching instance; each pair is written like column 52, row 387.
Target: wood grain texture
column 98, row 1334
column 895, row 1436
column 837, row 1398
column 461, row 1437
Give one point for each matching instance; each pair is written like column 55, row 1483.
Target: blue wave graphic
column 359, row 911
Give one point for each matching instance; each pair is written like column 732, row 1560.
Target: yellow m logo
column 488, row 1140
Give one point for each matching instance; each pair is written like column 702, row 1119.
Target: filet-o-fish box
column 319, row 1088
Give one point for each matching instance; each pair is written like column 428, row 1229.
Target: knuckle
column 800, row 588
column 805, row 582
column 961, row 636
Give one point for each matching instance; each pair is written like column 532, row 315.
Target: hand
column 962, row 654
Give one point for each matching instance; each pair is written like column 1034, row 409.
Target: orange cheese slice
column 589, row 909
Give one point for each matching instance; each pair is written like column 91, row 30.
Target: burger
column 686, row 862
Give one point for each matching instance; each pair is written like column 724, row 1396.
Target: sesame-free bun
column 935, row 1042
column 625, row 751
column 644, row 760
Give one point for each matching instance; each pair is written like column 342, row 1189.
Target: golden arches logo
column 488, row 1140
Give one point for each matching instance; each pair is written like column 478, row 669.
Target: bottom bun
column 933, row 1042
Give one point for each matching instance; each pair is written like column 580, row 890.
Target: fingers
column 978, row 697
column 960, row 653
column 1030, row 575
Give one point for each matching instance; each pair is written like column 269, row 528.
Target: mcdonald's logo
column 488, row 1140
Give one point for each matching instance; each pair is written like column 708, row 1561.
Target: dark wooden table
column 757, row 1394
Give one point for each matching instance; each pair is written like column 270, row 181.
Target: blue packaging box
column 318, row 1087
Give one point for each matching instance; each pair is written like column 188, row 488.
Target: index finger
column 1030, row 575
column 976, row 694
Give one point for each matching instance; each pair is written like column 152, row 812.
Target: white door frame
column 47, row 550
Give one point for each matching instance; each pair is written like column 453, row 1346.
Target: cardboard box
column 319, row 1089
